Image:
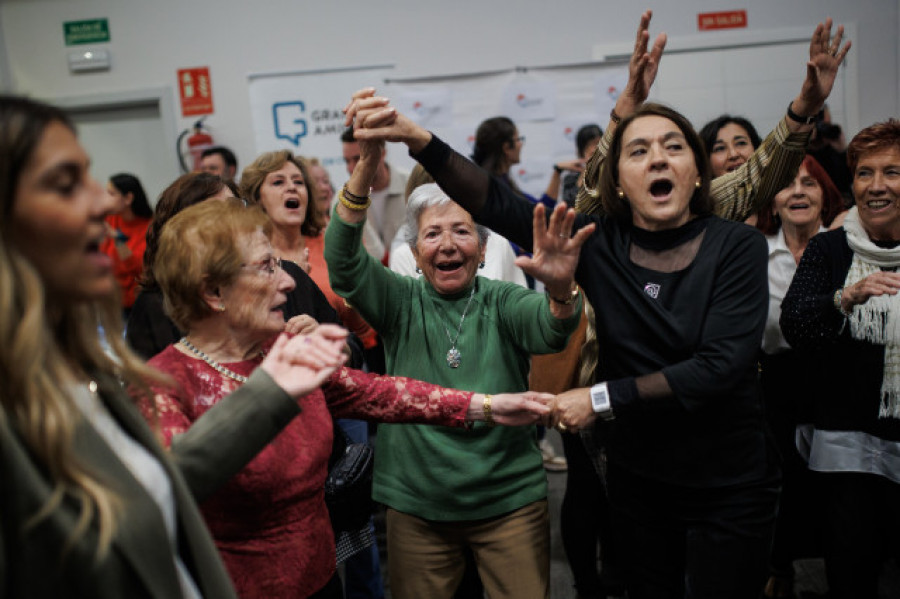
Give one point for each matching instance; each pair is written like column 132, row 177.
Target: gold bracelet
column 568, row 301
column 486, row 408
column 353, row 197
column 355, row 206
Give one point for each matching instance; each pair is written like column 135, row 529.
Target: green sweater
column 435, row 472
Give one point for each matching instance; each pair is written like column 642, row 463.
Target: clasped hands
column 569, row 411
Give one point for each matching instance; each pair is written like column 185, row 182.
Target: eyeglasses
column 521, row 139
column 268, row 266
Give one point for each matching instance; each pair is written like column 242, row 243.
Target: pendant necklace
column 453, row 355
column 215, row 365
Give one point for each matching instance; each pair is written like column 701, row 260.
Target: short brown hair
column 613, row 205
column 201, row 246
column 255, row 174
column 874, row 138
column 186, row 190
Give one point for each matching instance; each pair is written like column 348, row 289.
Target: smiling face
column 448, row 249
column 799, row 204
column 876, row 188
column 254, row 302
column 657, row 173
column 731, row 149
column 58, row 219
column 284, row 197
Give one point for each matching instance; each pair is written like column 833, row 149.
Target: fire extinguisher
column 198, row 141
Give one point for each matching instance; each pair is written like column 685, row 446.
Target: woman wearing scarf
column 843, row 305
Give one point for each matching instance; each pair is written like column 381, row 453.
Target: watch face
column 599, row 397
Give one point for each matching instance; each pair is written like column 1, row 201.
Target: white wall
column 151, row 40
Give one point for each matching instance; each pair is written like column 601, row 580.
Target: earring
column 620, row 192
column 698, row 184
column 481, row 264
column 418, row 270
column 221, row 306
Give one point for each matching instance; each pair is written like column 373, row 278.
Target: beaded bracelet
column 351, row 205
column 837, row 302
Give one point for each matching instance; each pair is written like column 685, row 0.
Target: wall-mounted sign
column 195, row 91
column 729, row 19
column 92, row 31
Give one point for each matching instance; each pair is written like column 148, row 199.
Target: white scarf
column 878, row 319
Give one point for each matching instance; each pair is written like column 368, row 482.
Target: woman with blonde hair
column 90, row 503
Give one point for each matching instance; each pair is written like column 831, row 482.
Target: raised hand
column 301, row 363
column 517, row 409
column 825, row 56
column 642, row 68
column 556, row 250
column 374, row 120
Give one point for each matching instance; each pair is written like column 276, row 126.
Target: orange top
column 318, row 272
column 127, row 271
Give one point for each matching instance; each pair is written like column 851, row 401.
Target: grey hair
column 426, row 196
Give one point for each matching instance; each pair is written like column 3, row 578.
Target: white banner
column 548, row 105
column 302, row 112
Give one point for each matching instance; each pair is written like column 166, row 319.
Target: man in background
column 219, row 160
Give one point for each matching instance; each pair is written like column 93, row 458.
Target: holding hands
column 301, row 363
column 511, row 409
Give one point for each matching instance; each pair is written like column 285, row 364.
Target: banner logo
column 289, row 121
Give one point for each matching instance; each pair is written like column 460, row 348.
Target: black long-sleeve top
column 849, row 371
column 702, row 330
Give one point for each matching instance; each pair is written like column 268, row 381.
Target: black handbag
column 348, row 487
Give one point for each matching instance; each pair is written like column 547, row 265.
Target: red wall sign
column 730, row 19
column 195, row 90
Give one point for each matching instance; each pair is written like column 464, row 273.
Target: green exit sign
column 86, row 32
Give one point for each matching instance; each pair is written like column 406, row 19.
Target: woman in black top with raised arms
column 681, row 299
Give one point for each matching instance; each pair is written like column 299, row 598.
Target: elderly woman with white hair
column 482, row 488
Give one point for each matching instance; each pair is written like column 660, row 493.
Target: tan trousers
column 512, row 551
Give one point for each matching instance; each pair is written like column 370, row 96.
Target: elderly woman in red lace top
column 223, row 285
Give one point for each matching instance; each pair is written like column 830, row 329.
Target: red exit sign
column 730, row 19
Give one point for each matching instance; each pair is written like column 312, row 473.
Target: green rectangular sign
column 86, row 32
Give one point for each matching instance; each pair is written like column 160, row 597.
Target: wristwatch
column 600, row 401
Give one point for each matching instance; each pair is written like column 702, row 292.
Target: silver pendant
column 453, row 358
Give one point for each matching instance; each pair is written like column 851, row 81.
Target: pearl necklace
column 215, row 365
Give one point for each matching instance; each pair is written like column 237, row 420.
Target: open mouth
column 798, row 206
column 661, row 188
column 292, row 204
column 448, row 266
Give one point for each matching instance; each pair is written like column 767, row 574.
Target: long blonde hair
column 44, row 351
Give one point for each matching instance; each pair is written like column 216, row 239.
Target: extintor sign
column 195, row 90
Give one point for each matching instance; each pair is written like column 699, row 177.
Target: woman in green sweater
column 482, row 488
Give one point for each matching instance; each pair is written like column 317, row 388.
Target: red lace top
column 269, row 521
